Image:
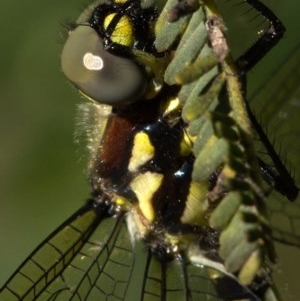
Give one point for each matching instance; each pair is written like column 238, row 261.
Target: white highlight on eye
column 92, row 62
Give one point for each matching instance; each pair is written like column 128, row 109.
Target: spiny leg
column 270, row 37
column 281, row 180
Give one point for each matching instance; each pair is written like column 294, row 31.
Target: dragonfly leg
column 268, row 39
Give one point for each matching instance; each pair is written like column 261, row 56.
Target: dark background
column 42, row 179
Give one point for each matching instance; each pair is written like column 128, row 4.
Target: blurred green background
column 42, row 179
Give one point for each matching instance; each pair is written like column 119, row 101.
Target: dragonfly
column 90, row 255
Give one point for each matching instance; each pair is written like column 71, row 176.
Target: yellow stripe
column 123, row 32
column 144, row 186
column 172, row 106
column 142, row 151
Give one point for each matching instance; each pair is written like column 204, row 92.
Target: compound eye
column 98, row 74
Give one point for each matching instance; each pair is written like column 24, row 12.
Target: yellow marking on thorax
column 196, row 205
column 123, row 32
column 171, row 106
column 142, row 151
column 144, row 186
column 121, row 201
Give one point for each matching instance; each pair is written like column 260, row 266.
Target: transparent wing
column 277, row 104
column 176, row 280
column 188, row 279
column 89, row 255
